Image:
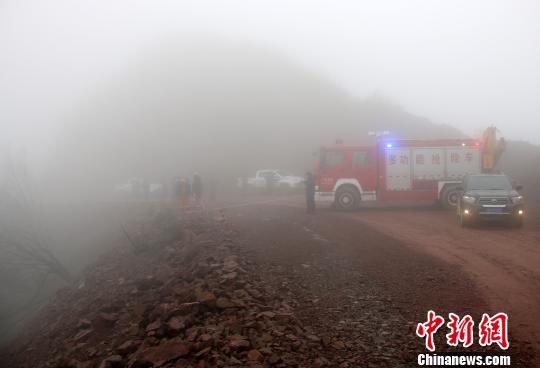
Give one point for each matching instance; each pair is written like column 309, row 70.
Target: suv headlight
column 468, row 199
column 517, row 199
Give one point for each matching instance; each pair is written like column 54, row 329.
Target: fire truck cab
column 395, row 170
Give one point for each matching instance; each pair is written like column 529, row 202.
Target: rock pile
column 192, row 301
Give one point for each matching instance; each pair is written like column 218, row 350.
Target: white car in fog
column 280, row 178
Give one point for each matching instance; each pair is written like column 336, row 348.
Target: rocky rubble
column 192, row 300
column 192, row 292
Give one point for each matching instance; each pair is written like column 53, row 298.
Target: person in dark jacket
column 310, row 192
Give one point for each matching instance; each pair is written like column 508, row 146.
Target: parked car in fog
column 279, row 178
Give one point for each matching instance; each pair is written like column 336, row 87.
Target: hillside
column 219, row 108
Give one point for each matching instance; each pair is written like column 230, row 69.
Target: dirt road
column 344, row 289
column 420, row 258
column 503, row 262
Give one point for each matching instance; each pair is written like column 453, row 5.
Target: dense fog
column 95, row 95
column 223, row 109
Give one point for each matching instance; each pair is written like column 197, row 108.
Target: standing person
column 310, row 192
column 185, row 192
column 197, row 188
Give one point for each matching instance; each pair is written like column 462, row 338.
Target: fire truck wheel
column 347, row 198
column 450, row 197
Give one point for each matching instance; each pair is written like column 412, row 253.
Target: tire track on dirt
column 503, row 262
column 413, row 280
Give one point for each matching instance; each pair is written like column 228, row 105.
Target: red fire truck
column 396, row 170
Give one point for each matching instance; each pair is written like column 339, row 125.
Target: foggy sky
column 463, row 63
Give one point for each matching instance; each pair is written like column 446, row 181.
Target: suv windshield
column 499, row 182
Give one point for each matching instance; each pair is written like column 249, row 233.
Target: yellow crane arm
column 491, row 148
